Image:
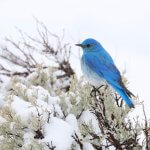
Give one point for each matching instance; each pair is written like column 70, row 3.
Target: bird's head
column 89, row 45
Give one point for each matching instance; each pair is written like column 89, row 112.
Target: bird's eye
column 88, row 45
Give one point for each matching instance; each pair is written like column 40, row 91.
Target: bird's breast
column 90, row 75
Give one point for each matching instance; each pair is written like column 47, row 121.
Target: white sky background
column 122, row 27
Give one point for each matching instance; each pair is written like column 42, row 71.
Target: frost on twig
column 47, row 49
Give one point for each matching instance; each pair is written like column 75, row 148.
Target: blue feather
column 124, row 96
column 96, row 63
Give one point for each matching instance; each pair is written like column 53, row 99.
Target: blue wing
column 104, row 68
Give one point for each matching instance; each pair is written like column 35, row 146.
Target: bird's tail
column 125, row 97
column 129, row 93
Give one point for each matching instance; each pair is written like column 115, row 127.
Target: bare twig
column 146, row 130
column 78, row 141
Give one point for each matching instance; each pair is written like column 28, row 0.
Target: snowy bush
column 44, row 106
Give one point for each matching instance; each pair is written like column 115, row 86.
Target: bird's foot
column 95, row 91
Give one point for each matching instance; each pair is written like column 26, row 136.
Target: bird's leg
column 95, row 90
column 100, row 87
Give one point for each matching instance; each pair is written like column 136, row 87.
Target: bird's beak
column 79, row 45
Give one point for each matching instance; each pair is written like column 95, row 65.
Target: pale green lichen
column 39, row 86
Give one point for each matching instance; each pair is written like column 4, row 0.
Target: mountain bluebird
column 98, row 67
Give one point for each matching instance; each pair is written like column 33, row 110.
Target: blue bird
column 98, row 67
